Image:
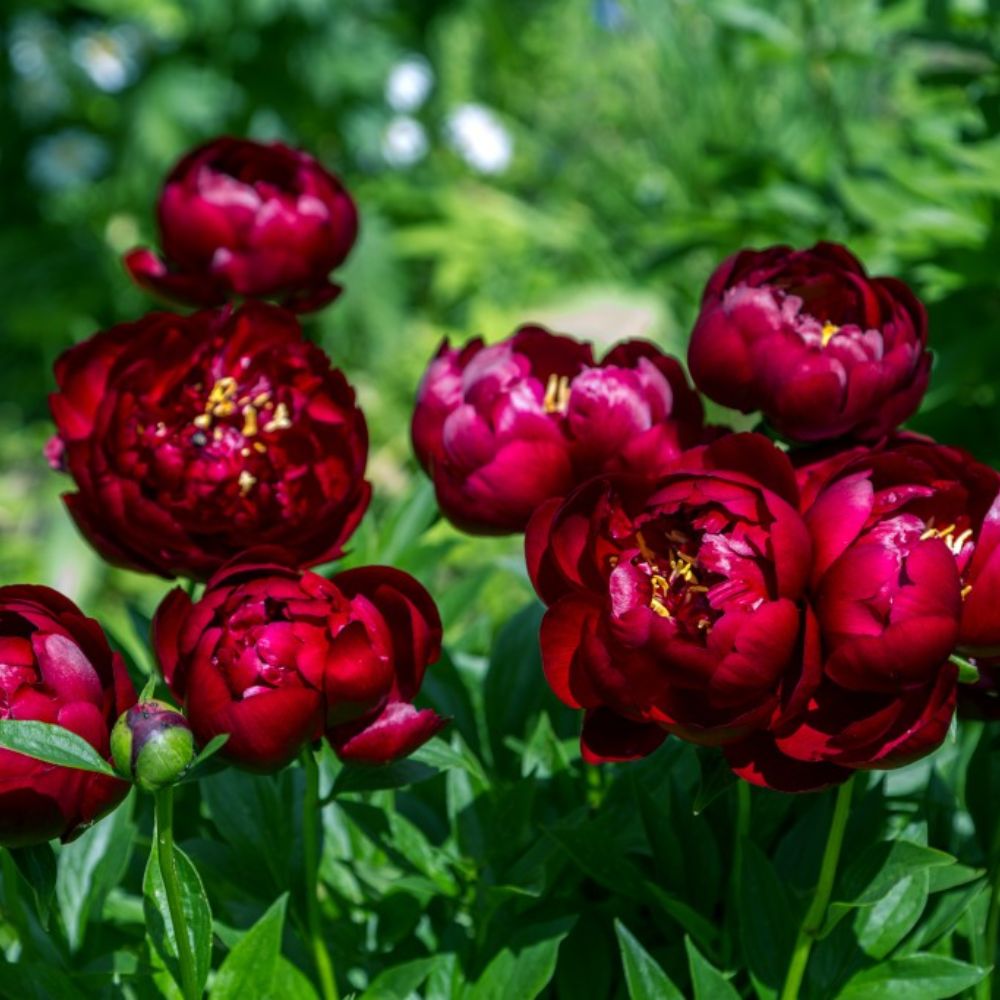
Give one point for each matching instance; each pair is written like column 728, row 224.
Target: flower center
column 676, row 588
column 249, row 415
column 556, row 394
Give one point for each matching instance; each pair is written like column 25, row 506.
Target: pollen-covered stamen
column 676, row 588
column 236, row 422
column 556, row 394
column 829, row 331
column 947, row 535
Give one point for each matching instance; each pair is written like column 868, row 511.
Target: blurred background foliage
column 583, row 163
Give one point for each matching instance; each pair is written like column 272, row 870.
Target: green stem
column 164, row 809
column 812, row 923
column 310, row 840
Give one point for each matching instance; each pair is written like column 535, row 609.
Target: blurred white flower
column 108, row 56
column 404, row 142
column 478, row 136
column 33, row 39
column 408, row 84
column 67, row 159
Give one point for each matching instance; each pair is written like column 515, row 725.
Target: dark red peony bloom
column 278, row 658
column 887, row 602
column 808, row 338
column 501, row 429
column 706, row 605
column 954, row 496
column 250, row 219
column 56, row 666
column 193, row 438
column 678, row 606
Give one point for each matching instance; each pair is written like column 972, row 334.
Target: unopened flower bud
column 152, row 745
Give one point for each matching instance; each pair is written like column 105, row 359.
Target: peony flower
column 678, row 606
column 243, row 218
column 193, row 438
column 279, row 658
column 808, row 338
column 501, row 429
column 56, row 666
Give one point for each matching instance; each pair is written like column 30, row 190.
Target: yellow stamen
column 556, row 394
column 657, row 606
column 280, row 421
column 828, row 332
column 956, row 543
column 966, row 590
column 249, row 421
column 203, row 421
column 247, row 482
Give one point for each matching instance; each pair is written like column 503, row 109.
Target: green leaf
column 290, row 983
column 253, row 967
column 766, row 919
column 708, row 982
column 514, row 692
column 37, row 865
column 399, row 774
column 444, row 756
column 882, row 926
column 90, row 867
column 210, row 749
column 197, row 913
column 646, row 980
column 524, row 967
column 716, row 778
column 876, row 873
column 253, row 812
column 401, row 981
column 916, row 977
column 52, row 744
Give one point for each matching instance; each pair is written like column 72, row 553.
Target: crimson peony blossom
column 251, row 219
column 500, row 429
column 193, row 438
column 278, row 658
column 706, row 605
column 808, row 338
column 956, row 498
column 56, row 666
column 887, row 603
column 676, row 606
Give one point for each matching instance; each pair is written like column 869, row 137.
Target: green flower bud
column 152, row 745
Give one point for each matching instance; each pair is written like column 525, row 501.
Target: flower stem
column 812, row 923
column 164, row 809
column 310, row 840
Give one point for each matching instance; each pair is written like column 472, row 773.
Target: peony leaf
column 767, row 919
column 708, row 982
column 916, row 977
column 198, row 913
column 253, row 967
column 524, row 966
column 37, row 865
column 52, row 744
column 90, row 867
column 646, row 980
